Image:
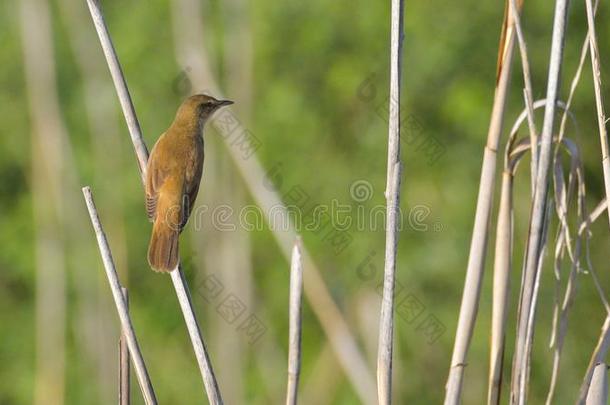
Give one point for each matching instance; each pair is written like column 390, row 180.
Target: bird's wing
column 155, row 176
column 193, row 179
column 189, row 202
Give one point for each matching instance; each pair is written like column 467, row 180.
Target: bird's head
column 199, row 108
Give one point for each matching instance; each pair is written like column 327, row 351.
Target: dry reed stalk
column 604, row 339
column 598, row 392
column 294, row 341
column 599, row 103
column 189, row 52
column 120, row 302
column 598, row 356
column 514, row 152
column 500, row 294
column 563, row 195
column 593, row 216
column 501, row 287
column 124, row 398
column 527, row 304
column 133, row 125
column 386, row 321
column 527, row 91
column 576, row 79
column 501, row 278
column 595, row 64
column 478, row 243
column 560, row 326
column 502, row 267
column 201, row 353
column 392, row 194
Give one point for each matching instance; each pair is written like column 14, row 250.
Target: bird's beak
column 222, row 103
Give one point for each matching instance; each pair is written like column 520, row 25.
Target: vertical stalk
column 604, row 340
column 201, row 353
column 294, row 341
column 525, row 329
column 478, row 243
column 527, row 91
column 598, row 392
column 392, row 193
column 501, row 288
column 124, row 360
column 599, row 102
column 599, row 354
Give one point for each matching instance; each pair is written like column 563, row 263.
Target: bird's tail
column 163, row 247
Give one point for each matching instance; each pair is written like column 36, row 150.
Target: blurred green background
column 310, row 82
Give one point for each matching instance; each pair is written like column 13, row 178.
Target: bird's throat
column 189, row 128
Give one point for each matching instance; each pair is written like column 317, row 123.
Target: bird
column 173, row 175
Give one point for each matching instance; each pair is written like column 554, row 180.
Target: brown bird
column 173, row 174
